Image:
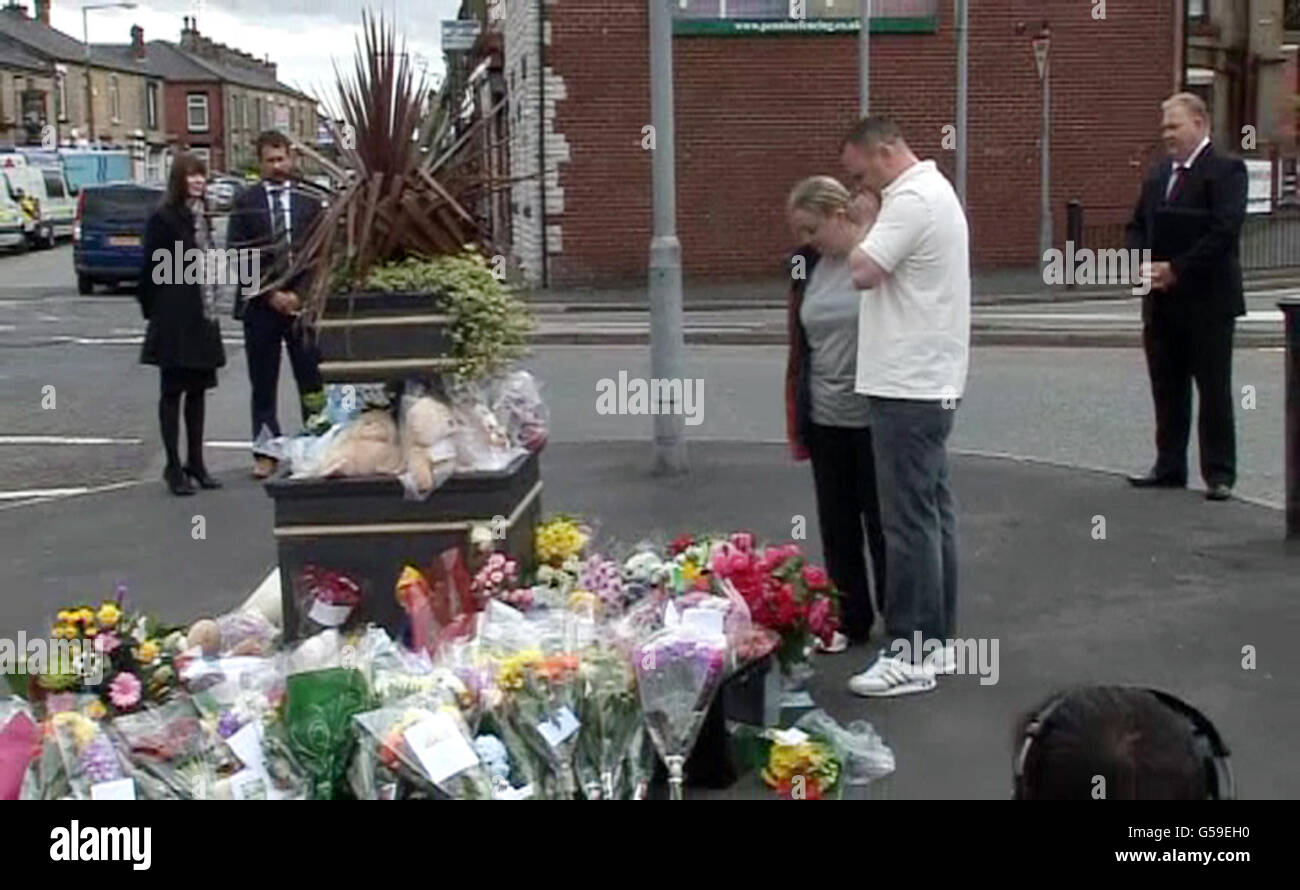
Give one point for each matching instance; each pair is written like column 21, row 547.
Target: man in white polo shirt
column 913, row 352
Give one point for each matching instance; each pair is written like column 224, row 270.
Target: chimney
column 43, row 12
column 190, row 35
column 137, row 41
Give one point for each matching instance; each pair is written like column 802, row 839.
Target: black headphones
column 1209, row 745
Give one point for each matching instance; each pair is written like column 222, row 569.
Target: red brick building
column 756, row 113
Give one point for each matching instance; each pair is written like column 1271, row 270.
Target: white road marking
column 41, row 493
column 65, row 440
column 41, row 496
column 224, row 444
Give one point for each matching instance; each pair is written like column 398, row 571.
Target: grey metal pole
column 864, row 60
column 960, row 15
column 1290, row 307
column 666, row 342
column 1045, row 174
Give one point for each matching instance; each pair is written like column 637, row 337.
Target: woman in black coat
column 183, row 337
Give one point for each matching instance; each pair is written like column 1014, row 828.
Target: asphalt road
column 1084, row 407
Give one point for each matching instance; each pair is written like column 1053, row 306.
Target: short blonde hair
column 819, row 194
column 1193, row 103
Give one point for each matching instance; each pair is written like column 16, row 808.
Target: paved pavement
column 1169, row 598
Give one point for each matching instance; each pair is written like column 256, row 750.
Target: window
column 1290, row 15
column 114, row 99
column 1196, row 10
column 62, row 96
column 234, row 121
column 20, row 84
column 196, row 108
column 151, row 105
column 257, row 114
column 53, row 183
column 293, row 120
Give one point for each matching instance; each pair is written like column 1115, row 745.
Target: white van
column 13, row 232
column 42, row 230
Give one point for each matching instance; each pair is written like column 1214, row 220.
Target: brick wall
column 756, row 114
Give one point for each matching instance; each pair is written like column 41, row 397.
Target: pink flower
column 743, row 541
column 496, row 577
column 815, row 577
column 107, row 642
column 819, row 620
column 124, row 691
column 496, row 560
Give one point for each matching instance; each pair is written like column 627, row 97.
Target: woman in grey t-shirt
column 828, row 420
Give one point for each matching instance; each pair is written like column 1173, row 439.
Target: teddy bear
column 428, row 452
column 366, row 447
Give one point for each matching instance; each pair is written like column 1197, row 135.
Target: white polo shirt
column 914, row 328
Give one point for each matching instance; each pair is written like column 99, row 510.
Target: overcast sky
column 301, row 36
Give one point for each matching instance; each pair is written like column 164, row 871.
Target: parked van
column 26, row 188
column 108, row 243
column 13, row 232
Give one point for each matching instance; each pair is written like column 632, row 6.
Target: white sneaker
column 888, row 676
column 838, row 644
column 943, row 662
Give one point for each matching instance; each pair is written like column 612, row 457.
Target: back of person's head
column 819, row 194
column 872, row 131
column 1118, row 743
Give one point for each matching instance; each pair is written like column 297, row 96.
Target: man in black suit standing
column 1189, row 215
column 276, row 219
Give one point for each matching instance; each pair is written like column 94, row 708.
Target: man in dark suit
column 276, row 219
column 1189, row 215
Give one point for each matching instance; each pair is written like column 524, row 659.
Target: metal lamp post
column 85, row 39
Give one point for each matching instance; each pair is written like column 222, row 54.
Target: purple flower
column 227, row 724
column 100, row 761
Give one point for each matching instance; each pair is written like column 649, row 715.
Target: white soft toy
column 427, row 447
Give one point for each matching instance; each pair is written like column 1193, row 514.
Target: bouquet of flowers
column 417, row 749
column 610, row 714
column 678, row 671
column 539, row 701
column 603, row 578
column 643, row 572
column 168, row 753
column 322, row 695
column 325, row 599
column 124, row 659
column 560, row 539
column 783, row 591
column 19, row 739
column 92, row 766
column 801, row 767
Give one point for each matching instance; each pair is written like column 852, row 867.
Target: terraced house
column 48, row 81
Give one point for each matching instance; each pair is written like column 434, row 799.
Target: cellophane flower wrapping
column 678, row 672
column 610, row 714
column 518, row 404
column 93, row 767
column 240, row 701
column 326, row 599
column 417, row 748
column 324, row 691
column 168, row 754
column 20, row 737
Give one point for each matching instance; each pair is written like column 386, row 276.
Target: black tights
column 169, row 415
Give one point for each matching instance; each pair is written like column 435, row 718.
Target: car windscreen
column 120, row 205
column 53, row 183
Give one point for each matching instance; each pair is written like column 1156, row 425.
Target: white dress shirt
column 278, row 194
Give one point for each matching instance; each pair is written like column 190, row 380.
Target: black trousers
column 1182, row 348
column 264, row 331
column 844, row 476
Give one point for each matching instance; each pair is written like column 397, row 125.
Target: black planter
column 366, row 528
column 373, row 336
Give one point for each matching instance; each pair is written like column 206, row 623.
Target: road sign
column 1041, row 45
column 459, row 35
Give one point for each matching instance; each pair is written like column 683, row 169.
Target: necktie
column 1176, row 183
column 277, row 216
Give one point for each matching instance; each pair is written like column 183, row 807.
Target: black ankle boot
column 177, row 483
column 199, row 474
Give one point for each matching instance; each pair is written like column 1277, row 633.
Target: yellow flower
column 66, row 617
column 91, row 629
column 109, row 614
column 147, row 652
column 85, row 616
column 581, row 601
column 690, row 571
column 513, row 668
column 83, row 729
column 96, row 710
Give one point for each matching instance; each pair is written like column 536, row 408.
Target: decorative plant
column 489, row 326
column 402, row 194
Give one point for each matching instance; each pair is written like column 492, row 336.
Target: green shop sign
column 769, row 27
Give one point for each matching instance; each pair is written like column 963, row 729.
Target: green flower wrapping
column 318, row 720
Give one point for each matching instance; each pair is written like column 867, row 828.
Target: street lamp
column 85, row 38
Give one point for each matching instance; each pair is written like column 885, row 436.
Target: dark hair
column 271, row 139
column 1142, row 748
column 178, row 189
column 871, row 131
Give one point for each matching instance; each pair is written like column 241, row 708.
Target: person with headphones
column 1119, row 743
